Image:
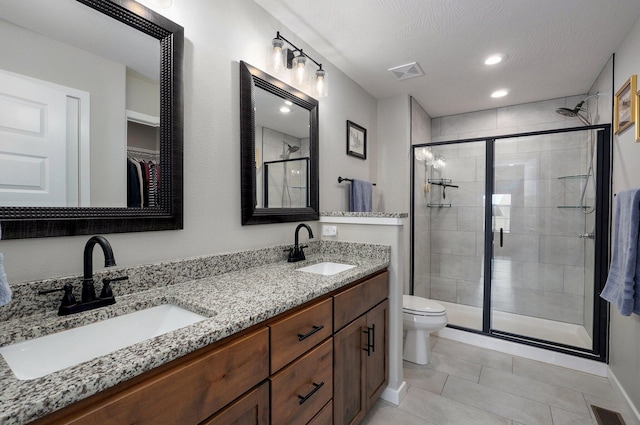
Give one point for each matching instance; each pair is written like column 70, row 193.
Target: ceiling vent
column 404, row 72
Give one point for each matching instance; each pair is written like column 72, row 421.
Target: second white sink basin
column 38, row 357
column 326, row 268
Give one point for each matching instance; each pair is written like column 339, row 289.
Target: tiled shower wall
column 540, row 270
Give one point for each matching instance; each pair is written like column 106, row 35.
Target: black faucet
column 88, row 290
column 296, row 253
column 89, row 301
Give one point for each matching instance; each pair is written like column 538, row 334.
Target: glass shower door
column 542, row 223
column 448, row 244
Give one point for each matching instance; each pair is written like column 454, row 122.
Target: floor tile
column 444, row 411
column 565, row 398
column 507, row 405
column 563, row 377
column 384, row 413
column 424, row 377
column 455, row 366
column 473, row 354
column 562, row 417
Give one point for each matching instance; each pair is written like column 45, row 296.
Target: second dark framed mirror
column 279, row 150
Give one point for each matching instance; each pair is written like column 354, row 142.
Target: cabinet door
column 377, row 361
column 349, row 398
column 250, row 409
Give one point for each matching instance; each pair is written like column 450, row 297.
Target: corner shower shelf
column 574, row 177
column 579, row 176
column 442, row 182
column 438, row 205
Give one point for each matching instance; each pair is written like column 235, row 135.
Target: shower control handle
column 586, row 236
column 501, row 237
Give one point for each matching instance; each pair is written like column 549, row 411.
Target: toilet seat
column 419, row 306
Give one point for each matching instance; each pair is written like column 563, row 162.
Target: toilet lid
column 421, row 306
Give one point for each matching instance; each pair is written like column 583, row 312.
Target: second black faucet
column 296, row 253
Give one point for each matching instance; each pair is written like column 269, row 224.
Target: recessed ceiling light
column 495, row 59
column 288, row 102
column 285, row 110
column 500, row 93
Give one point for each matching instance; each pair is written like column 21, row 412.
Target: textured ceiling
column 556, row 48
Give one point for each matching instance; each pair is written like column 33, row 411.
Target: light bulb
column 321, row 89
column 276, row 60
column 299, row 70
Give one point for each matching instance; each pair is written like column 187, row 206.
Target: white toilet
column 420, row 317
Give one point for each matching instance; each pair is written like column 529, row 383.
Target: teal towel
column 5, row 291
column 623, row 283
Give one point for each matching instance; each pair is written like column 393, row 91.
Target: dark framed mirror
column 87, row 32
column 279, row 150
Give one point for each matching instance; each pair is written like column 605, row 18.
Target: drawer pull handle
column 373, row 338
column 314, row 330
column 316, row 387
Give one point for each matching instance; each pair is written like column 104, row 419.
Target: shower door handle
column 501, row 237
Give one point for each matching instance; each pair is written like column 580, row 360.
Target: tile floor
column 467, row 385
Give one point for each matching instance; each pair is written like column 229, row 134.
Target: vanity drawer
column 354, row 302
column 298, row 333
column 325, row 417
column 300, row 390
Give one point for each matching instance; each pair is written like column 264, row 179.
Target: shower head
column 574, row 113
column 292, row 149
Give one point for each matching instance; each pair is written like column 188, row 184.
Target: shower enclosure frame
column 602, row 226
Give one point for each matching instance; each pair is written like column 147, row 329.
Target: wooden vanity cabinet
column 361, row 365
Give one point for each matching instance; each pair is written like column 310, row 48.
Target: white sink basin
column 326, row 268
column 40, row 356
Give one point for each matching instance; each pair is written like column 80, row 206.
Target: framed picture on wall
column 356, row 140
column 637, row 116
column 624, row 106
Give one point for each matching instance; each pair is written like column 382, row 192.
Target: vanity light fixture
column 500, row 93
column 295, row 59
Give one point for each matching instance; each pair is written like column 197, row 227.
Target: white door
column 33, row 138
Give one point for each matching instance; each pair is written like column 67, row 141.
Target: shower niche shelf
column 444, row 183
column 566, row 179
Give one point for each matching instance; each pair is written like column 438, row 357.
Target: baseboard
column 394, row 396
column 622, row 395
column 528, row 352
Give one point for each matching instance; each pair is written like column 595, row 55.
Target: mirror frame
column 39, row 222
column 250, row 79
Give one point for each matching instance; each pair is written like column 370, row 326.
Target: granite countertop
column 232, row 302
column 363, row 214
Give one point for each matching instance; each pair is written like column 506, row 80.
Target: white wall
column 394, row 123
column 624, row 350
column 218, row 34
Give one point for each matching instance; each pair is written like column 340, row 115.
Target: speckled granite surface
column 363, row 214
column 235, row 291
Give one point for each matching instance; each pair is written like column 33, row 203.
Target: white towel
column 5, row 291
